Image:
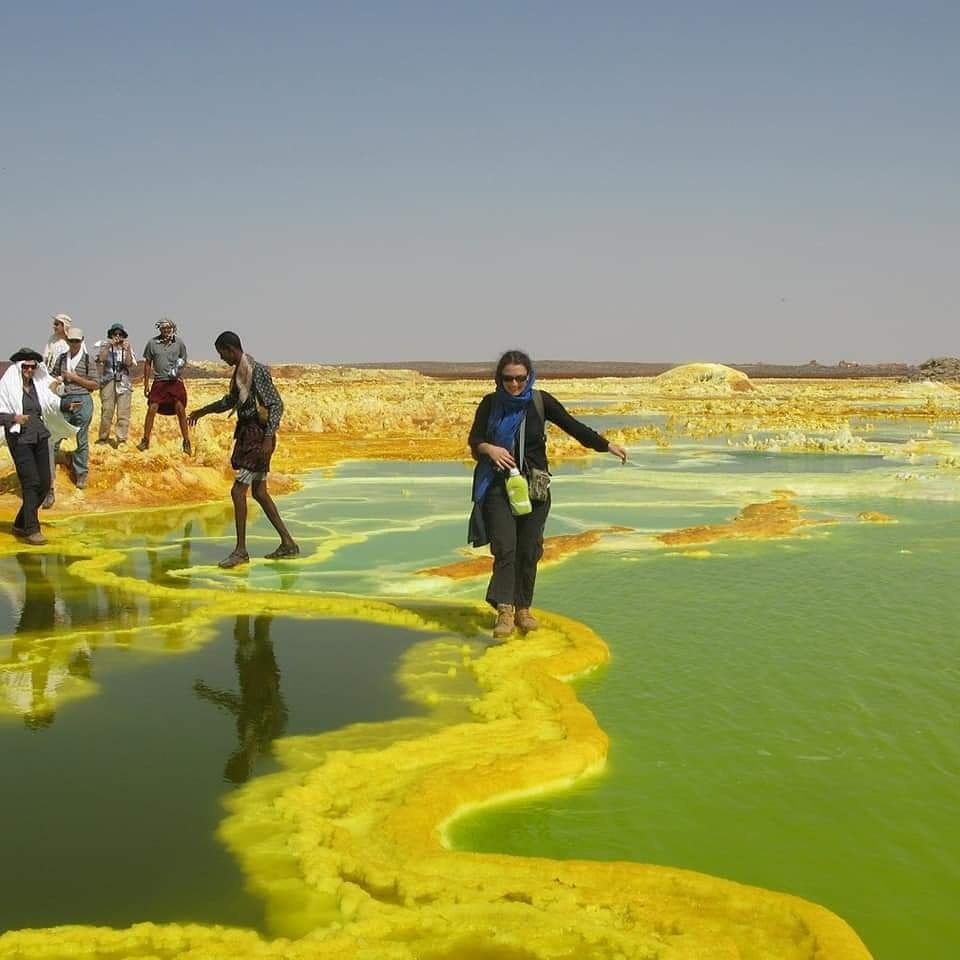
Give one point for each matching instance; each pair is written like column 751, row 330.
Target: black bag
column 538, row 481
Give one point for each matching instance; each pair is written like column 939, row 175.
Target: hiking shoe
column 17, row 531
column 187, row 449
column 284, row 552
column 48, row 501
column 144, row 444
column 234, row 560
column 102, row 440
column 81, row 481
column 35, row 539
column 526, row 621
column 504, row 626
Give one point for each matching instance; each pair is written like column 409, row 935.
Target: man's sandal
column 234, row 560
column 284, row 552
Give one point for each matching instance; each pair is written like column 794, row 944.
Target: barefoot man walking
column 259, row 409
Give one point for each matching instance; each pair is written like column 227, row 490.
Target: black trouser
column 32, row 461
column 516, row 544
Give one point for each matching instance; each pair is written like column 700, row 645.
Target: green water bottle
column 518, row 493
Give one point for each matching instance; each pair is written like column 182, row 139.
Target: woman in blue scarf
column 516, row 542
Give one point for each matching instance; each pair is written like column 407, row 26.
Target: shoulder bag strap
column 523, row 437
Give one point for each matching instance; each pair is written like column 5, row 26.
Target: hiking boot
column 35, row 539
column 526, row 621
column 187, row 449
column 17, row 531
column 102, row 440
column 284, row 552
column 234, row 560
column 48, row 501
column 81, row 481
column 504, row 625
column 144, row 444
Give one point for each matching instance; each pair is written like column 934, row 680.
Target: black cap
column 26, row 353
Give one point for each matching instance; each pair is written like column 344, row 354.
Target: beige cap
column 64, row 319
column 74, row 333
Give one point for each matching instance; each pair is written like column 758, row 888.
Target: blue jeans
column 79, row 418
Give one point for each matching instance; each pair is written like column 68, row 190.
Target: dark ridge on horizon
column 591, row 369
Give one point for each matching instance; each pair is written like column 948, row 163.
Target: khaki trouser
column 110, row 403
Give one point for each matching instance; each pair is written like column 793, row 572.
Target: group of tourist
column 45, row 398
column 111, row 372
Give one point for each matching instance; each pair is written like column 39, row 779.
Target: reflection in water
column 39, row 611
column 164, row 562
column 259, row 709
column 36, row 667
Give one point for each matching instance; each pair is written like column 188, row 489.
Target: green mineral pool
column 782, row 712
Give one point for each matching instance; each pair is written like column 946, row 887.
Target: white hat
column 74, row 333
column 64, row 319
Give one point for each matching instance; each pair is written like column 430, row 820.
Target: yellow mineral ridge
column 757, row 521
column 555, row 549
column 347, row 844
column 873, row 516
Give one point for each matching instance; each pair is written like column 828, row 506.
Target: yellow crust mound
column 704, row 379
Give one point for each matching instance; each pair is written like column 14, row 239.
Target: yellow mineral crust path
column 555, row 549
column 775, row 518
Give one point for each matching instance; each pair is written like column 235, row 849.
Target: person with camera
column 511, row 492
column 115, row 361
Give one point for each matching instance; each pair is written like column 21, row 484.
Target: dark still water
column 111, row 802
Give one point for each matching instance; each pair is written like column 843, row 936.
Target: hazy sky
column 403, row 180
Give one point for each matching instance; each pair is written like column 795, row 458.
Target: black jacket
column 535, row 442
column 535, row 437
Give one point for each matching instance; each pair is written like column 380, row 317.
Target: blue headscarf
column 505, row 418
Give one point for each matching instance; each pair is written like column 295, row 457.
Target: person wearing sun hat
column 115, row 361
column 78, row 378
column 30, row 417
column 57, row 343
column 164, row 358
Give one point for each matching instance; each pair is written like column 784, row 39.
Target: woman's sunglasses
column 522, row 378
